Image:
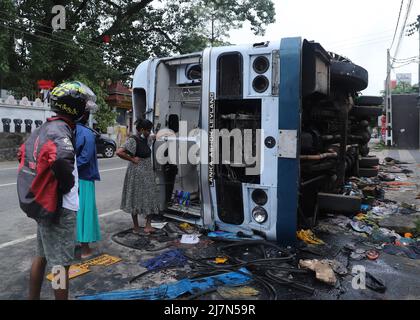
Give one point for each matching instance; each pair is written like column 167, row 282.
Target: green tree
column 196, row 24
column 402, row 88
column 104, row 116
column 107, row 39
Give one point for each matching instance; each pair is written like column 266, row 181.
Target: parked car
column 105, row 146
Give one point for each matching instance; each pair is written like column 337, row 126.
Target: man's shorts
column 56, row 242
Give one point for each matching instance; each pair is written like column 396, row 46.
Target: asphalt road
column 15, row 226
column 18, row 232
column 17, row 244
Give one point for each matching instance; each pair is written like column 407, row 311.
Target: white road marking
column 113, row 169
column 105, row 170
column 7, row 184
column 33, row 236
column 11, row 168
column 99, row 159
column 11, row 243
column 106, row 214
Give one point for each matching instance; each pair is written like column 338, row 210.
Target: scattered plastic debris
column 410, row 251
column 372, row 254
column 79, row 269
column 322, row 268
column 235, row 293
column 169, row 258
column 375, row 284
column 159, row 225
column 360, row 226
column 223, row 235
column 309, row 237
column 176, row 289
column 358, row 254
column 190, row 238
column 220, row 260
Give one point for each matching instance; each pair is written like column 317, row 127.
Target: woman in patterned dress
column 140, row 193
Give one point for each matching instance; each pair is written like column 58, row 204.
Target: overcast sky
column 361, row 30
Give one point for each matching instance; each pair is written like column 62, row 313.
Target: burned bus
column 256, row 138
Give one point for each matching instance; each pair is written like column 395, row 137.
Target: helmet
column 73, row 99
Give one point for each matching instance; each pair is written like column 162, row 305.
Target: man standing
column 47, row 186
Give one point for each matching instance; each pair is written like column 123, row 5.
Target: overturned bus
column 256, row 138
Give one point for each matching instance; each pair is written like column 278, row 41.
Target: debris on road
column 210, row 263
column 322, row 268
column 372, row 254
column 309, row 237
column 79, row 269
column 190, row 238
column 171, row 258
column 175, row 290
column 237, row 293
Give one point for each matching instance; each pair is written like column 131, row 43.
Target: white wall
column 9, row 108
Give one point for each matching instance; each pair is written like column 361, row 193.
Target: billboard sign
column 404, row 78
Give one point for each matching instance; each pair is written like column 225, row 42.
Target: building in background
column 119, row 98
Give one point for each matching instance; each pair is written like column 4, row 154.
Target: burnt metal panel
column 230, row 76
column 230, row 205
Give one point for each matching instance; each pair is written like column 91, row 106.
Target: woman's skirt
column 88, row 229
column 140, row 193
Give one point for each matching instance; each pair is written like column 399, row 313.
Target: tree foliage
column 30, row 49
column 402, row 88
column 104, row 116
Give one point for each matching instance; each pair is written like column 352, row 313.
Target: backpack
column 142, row 148
column 45, row 156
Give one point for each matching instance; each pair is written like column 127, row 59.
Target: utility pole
column 418, row 98
column 388, row 102
column 418, row 29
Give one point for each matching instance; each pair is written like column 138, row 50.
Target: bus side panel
column 208, row 215
column 289, row 132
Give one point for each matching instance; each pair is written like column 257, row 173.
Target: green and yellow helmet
column 73, row 99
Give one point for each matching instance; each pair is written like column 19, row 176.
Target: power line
column 406, row 64
column 85, row 43
column 130, row 53
column 131, row 61
column 36, row 22
column 415, row 57
column 346, row 44
column 369, row 36
column 398, row 22
column 409, row 5
column 60, row 48
column 364, row 43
